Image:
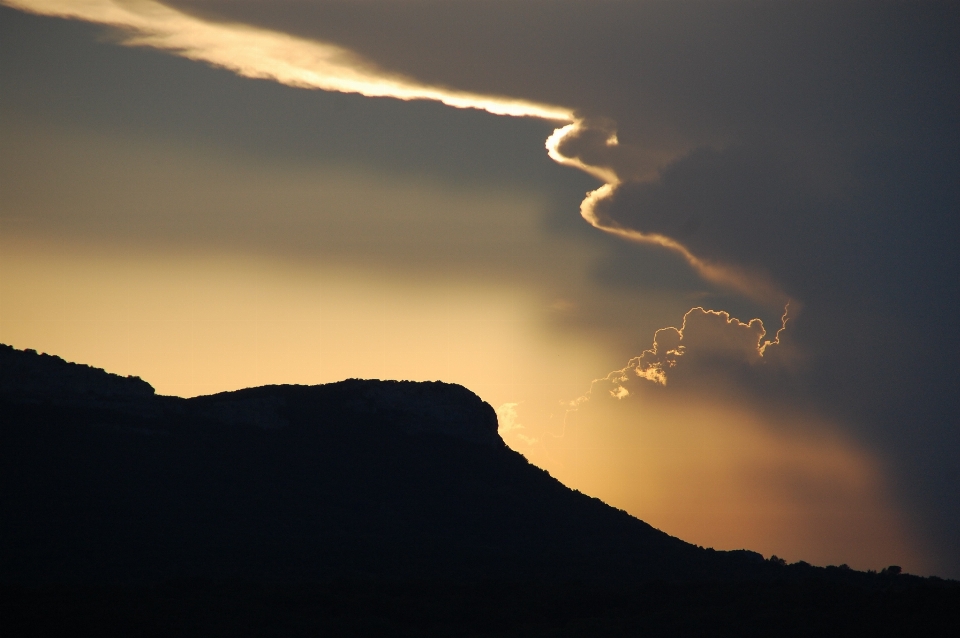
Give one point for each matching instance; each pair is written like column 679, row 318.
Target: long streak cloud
column 266, row 54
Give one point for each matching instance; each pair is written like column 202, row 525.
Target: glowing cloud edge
column 655, row 371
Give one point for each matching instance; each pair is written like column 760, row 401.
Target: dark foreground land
column 359, row 508
column 804, row 607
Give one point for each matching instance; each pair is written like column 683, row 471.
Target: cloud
column 592, row 146
column 709, row 346
column 262, row 53
column 588, row 143
column 787, row 107
column 510, row 425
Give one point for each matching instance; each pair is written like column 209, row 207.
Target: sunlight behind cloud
column 685, row 438
column 718, row 471
column 723, row 474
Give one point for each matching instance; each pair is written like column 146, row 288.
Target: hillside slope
column 358, row 508
column 107, row 482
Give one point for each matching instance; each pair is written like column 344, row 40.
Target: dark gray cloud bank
column 817, row 143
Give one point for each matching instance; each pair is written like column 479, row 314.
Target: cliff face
column 428, row 408
column 105, row 481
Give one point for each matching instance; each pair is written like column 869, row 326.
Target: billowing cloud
column 708, row 342
column 591, row 145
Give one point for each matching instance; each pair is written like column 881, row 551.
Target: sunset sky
column 701, row 256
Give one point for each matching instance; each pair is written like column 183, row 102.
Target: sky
column 701, row 255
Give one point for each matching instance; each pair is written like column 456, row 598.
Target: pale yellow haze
column 710, row 469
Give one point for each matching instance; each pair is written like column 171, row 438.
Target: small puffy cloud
column 510, row 426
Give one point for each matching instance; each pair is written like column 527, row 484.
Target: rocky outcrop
column 429, row 407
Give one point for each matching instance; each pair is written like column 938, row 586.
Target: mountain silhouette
column 386, row 478
column 373, row 490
